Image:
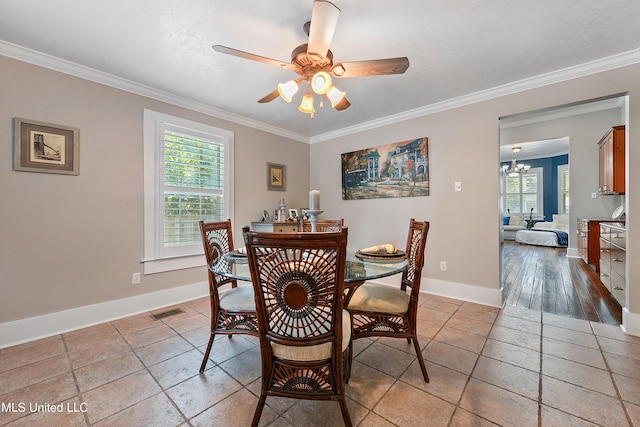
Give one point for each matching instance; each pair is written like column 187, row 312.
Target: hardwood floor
column 545, row 279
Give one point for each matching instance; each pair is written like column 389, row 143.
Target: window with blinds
column 193, row 186
column 563, row 189
column 524, row 192
column 187, row 178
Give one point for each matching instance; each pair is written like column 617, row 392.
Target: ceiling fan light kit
column 314, row 63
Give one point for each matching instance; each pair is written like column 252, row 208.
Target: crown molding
column 582, row 70
column 67, row 67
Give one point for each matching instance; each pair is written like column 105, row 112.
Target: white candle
column 314, row 200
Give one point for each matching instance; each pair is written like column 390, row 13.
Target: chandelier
column 515, row 169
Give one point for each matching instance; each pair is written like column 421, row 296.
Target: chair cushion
column 315, row 352
column 238, row 299
column 379, row 298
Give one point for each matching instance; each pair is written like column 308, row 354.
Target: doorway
column 581, row 125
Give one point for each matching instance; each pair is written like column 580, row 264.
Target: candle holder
column 313, row 218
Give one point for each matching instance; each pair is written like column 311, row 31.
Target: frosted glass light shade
column 335, row 96
column 288, row 90
column 306, row 106
column 321, row 82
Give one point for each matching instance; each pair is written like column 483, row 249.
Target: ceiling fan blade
column 373, row 67
column 268, row 98
column 251, row 56
column 324, row 18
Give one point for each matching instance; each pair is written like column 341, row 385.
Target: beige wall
column 73, row 241
column 463, row 146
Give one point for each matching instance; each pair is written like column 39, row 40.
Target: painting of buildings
column 393, row 170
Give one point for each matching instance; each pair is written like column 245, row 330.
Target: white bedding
column 540, row 238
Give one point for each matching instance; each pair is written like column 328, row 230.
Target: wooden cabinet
column 613, row 259
column 589, row 241
column 277, row 227
column 611, row 165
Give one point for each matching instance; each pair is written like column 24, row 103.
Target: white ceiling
column 458, row 50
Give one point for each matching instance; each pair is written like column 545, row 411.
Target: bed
column 552, row 234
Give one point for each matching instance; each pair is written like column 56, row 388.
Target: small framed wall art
column 44, row 147
column 276, row 177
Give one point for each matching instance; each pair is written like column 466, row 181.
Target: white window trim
column 154, row 261
column 561, row 170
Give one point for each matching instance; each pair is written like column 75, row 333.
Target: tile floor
column 509, row 367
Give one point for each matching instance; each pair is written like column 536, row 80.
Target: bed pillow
column 505, row 220
column 515, row 220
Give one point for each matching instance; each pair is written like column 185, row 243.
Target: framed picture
column 44, row 147
column 293, row 214
column 276, row 177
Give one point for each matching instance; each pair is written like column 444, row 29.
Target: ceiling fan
column 313, row 61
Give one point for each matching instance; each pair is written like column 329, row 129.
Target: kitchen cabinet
column 611, row 164
column 613, row 259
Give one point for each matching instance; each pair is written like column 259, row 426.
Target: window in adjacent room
column 524, row 192
column 187, row 177
column 563, row 189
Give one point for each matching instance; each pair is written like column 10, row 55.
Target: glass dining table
column 359, row 268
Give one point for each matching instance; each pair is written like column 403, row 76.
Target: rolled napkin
column 387, row 248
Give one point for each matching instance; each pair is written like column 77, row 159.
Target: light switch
column 457, row 186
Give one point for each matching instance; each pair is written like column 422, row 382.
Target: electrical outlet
column 457, row 186
column 443, row 265
column 135, row 279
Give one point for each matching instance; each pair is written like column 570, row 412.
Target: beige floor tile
column 461, row 339
column 516, row 337
column 577, row 353
column 567, row 322
column 510, row 377
column 367, row 385
column 433, row 316
column 177, row 369
column 440, row 305
column 589, row 405
column 36, row 372
column 570, row 336
column 157, row 410
column 322, row 413
column 103, row 350
column 90, row 338
column 31, row 354
column 444, row 383
column 479, row 312
column 70, row 416
column 201, row 305
column 426, row 329
column 455, row 358
column 385, row 359
column 623, row 365
column 470, row 325
column 186, row 323
column 576, row 373
column 198, row 393
column 245, row 367
column 99, row 373
column 551, row 417
column 374, row 420
column 513, row 354
column 634, row 413
column 499, row 405
column 235, row 410
column 158, row 332
column 163, row 350
column 629, row 388
column 399, row 407
column 464, row 418
column 621, row 348
column 612, row 331
column 519, row 324
column 521, row 313
column 26, row 345
column 402, row 344
column 53, row 391
column 225, row 347
column 115, row 396
column 136, row 323
column 198, row 337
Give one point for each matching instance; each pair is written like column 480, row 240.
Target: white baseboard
column 471, row 293
column 630, row 322
column 33, row 328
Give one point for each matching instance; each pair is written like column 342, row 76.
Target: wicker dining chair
column 322, row 225
column 305, row 334
column 232, row 311
column 379, row 310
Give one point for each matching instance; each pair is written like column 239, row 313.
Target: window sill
column 152, row 266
